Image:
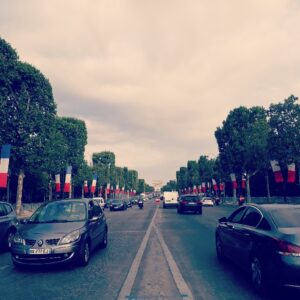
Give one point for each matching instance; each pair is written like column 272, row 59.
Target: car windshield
column 60, row 212
column 117, row 202
column 190, row 198
column 286, row 217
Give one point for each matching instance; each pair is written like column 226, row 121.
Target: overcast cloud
column 153, row 79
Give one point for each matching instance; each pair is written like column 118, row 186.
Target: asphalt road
column 153, row 253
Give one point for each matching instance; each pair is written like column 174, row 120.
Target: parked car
column 118, row 204
column 8, row 224
column 60, row 232
column 189, row 203
column 264, row 240
column 207, row 201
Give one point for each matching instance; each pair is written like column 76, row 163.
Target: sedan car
column 189, row 203
column 264, row 240
column 118, row 204
column 59, row 232
column 8, row 224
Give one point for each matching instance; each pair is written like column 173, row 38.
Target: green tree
column 193, row 173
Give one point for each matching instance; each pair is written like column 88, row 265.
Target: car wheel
column 219, row 249
column 258, row 277
column 85, row 254
column 105, row 240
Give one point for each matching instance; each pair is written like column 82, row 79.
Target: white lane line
column 180, row 282
column 129, row 281
column 4, row 267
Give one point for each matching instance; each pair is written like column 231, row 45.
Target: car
column 189, row 203
column 100, row 201
column 170, row 199
column 118, row 204
column 207, row 201
column 58, row 232
column 128, row 202
column 8, row 225
column 265, row 241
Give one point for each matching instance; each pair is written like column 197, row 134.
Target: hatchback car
column 264, row 240
column 8, row 224
column 207, row 201
column 59, row 232
column 189, row 203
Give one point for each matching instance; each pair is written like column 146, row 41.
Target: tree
column 284, row 138
column 243, row 142
column 169, row 186
column 193, row 173
column 27, row 102
column 205, row 168
column 182, row 178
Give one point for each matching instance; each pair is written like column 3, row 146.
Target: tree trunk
column 20, row 191
column 248, row 188
column 50, row 191
column 268, row 186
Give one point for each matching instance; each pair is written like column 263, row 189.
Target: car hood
column 49, row 230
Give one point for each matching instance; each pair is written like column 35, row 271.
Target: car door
column 244, row 235
column 98, row 218
column 227, row 231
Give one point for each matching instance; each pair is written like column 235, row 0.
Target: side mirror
column 223, row 220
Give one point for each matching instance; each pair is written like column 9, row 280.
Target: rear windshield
column 190, row 198
column 286, row 217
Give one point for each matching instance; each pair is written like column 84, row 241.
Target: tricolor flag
column 222, row 186
column 85, row 187
column 215, row 186
column 243, row 182
column 57, row 183
column 203, row 187
column 67, row 187
column 291, row 173
column 233, row 180
column 277, row 171
column 195, row 190
column 94, row 182
column 117, row 189
column 4, row 162
column 108, row 188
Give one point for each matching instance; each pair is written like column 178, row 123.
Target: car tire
column 220, row 249
column 258, row 277
column 104, row 241
column 84, row 256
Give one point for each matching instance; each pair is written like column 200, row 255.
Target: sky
column 154, row 79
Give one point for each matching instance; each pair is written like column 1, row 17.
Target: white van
column 170, row 199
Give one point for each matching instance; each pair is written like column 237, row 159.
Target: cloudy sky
column 153, row 79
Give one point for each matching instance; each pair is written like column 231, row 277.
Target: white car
column 100, row 201
column 207, row 202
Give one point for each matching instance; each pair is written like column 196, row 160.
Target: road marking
column 4, row 267
column 180, row 282
column 129, row 281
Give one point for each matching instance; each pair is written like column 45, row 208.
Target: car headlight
column 17, row 239
column 70, row 238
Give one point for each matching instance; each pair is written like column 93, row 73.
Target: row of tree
column 247, row 140
column 43, row 143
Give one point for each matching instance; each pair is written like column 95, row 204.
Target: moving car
column 207, row 201
column 8, row 224
column 118, row 204
column 60, row 232
column 191, row 203
column 170, row 199
column 264, row 240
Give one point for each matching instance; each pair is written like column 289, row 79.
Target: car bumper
column 58, row 255
column 290, row 271
column 117, row 208
column 191, row 208
column 166, row 204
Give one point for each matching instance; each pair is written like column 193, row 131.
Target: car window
column 8, row 208
column 190, row 198
column 251, row 217
column 236, row 216
column 2, row 210
column 264, row 225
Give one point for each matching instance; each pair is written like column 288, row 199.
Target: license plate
column 192, row 203
column 39, row 251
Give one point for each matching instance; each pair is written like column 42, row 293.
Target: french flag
column 117, row 189
column 222, row 186
column 203, row 187
column 108, row 188
column 94, row 182
column 291, row 173
column 243, row 183
column 233, row 180
column 215, row 186
column 277, row 171
column 57, row 183
column 85, row 187
column 67, row 187
column 4, row 162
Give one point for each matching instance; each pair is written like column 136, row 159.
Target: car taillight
column 288, row 249
column 183, row 202
column 199, row 202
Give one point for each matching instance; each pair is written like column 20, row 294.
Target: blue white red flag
column 4, row 162
column 67, row 187
column 57, row 183
column 85, row 187
column 94, row 182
